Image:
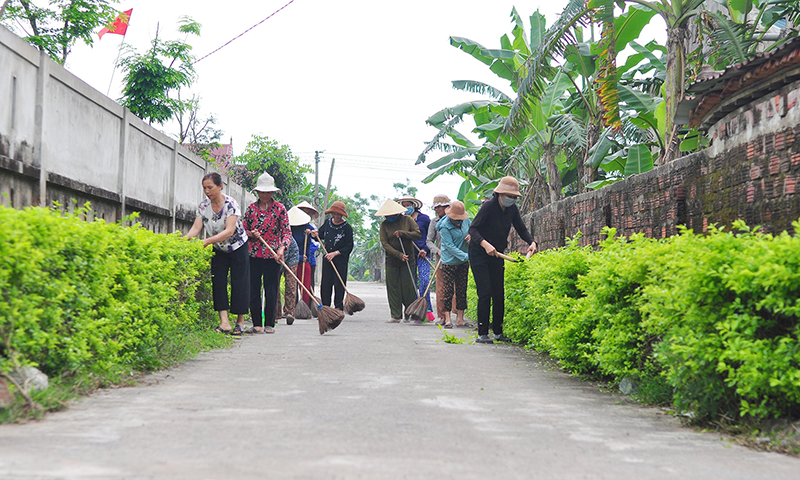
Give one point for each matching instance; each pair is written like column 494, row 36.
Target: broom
column 352, row 304
column 426, row 257
column 413, row 282
column 419, row 307
column 301, row 309
column 328, row 318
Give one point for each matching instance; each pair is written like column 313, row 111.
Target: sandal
column 222, row 331
column 237, row 330
column 448, row 325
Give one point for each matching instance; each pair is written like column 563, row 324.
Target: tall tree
column 56, row 28
column 264, row 155
column 151, row 77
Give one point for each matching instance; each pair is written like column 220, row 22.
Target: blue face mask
column 409, row 210
column 507, row 201
column 392, row 218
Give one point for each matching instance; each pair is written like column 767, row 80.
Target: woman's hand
column 331, row 255
column 422, row 254
column 405, row 258
column 313, row 233
column 532, row 248
column 397, row 233
column 468, row 238
column 490, row 250
column 206, row 243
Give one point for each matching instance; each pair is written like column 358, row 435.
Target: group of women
column 255, row 246
column 410, row 238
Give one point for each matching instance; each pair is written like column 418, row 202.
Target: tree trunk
column 673, row 87
column 586, row 173
column 553, row 175
column 3, row 8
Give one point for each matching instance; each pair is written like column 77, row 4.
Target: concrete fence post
column 172, row 169
column 123, row 140
column 43, row 76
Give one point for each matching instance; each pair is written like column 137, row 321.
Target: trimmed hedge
column 88, row 298
column 710, row 322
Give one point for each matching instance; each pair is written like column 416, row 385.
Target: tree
column 56, row 28
column 153, row 75
column 264, row 155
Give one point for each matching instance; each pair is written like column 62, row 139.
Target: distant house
column 220, row 154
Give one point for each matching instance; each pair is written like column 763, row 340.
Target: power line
column 254, row 26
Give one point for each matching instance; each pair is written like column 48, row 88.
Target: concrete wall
column 751, row 171
column 62, row 141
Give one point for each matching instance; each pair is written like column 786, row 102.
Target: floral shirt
column 337, row 237
column 272, row 224
column 214, row 223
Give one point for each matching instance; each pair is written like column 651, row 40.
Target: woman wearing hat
column 454, row 229
column 291, row 257
column 337, row 235
column 489, row 235
column 220, row 216
column 397, row 234
column 434, row 241
column 266, row 218
column 301, row 225
column 312, row 245
column 422, row 251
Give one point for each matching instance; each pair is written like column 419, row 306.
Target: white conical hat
column 308, row 209
column 266, row 184
column 390, row 207
column 298, row 217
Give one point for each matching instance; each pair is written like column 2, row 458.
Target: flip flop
column 237, row 330
column 222, row 331
column 448, row 325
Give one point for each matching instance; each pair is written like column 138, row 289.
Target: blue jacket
column 454, row 246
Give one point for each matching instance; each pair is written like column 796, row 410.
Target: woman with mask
column 489, row 235
column 454, row 230
column 397, row 234
column 434, row 241
column 412, row 206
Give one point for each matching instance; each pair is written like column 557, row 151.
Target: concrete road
column 369, row 400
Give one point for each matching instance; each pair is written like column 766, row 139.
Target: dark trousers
column 238, row 264
column 331, row 282
column 488, row 273
column 268, row 271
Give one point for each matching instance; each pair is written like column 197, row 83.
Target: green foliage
column 57, row 27
column 151, row 77
column 711, row 323
column 265, row 155
column 93, row 300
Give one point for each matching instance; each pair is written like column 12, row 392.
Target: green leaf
column 639, row 101
column 538, row 29
column 473, row 48
column 640, row 160
column 629, row 25
column 600, row 150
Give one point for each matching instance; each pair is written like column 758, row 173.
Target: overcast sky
column 353, row 78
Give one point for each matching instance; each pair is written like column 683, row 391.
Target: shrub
column 95, row 299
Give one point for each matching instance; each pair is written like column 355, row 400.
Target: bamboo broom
column 352, row 304
column 328, row 318
column 419, row 307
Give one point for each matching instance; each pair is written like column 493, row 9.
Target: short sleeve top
column 214, row 223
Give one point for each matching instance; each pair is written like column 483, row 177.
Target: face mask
column 456, row 223
column 409, row 210
column 392, row 218
column 507, row 201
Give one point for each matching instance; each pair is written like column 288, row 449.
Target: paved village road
column 369, row 400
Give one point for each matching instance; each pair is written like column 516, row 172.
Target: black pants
column 331, row 282
column 268, row 271
column 488, row 273
column 238, row 264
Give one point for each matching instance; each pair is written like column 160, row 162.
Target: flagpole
column 119, row 53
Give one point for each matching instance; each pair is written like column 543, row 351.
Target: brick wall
column 751, row 172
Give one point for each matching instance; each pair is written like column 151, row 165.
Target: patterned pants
column 289, row 293
column 423, row 278
column 454, row 282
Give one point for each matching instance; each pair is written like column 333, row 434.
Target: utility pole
column 328, row 190
column 316, row 179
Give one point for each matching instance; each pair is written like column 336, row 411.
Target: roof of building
column 720, row 92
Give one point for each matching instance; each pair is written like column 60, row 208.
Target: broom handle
column 305, row 249
column 319, row 304
column 505, row 257
column 416, row 290
column 432, row 277
column 426, row 257
column 334, row 266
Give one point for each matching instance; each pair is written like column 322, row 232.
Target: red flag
column 120, row 25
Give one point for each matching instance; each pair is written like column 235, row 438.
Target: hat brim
column 267, row 190
column 298, row 217
column 507, row 191
column 390, row 207
column 414, row 202
column 336, row 210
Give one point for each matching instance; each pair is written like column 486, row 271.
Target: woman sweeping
column 422, row 251
column 301, row 226
column 397, row 234
column 337, row 235
column 489, row 235
column 434, row 242
column 291, row 258
column 312, row 246
column 266, row 218
column 454, row 230
column 220, row 216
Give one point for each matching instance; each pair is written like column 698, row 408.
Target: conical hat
column 390, row 207
column 308, row 208
column 298, row 217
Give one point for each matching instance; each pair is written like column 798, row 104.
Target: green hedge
column 92, row 299
column 709, row 323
